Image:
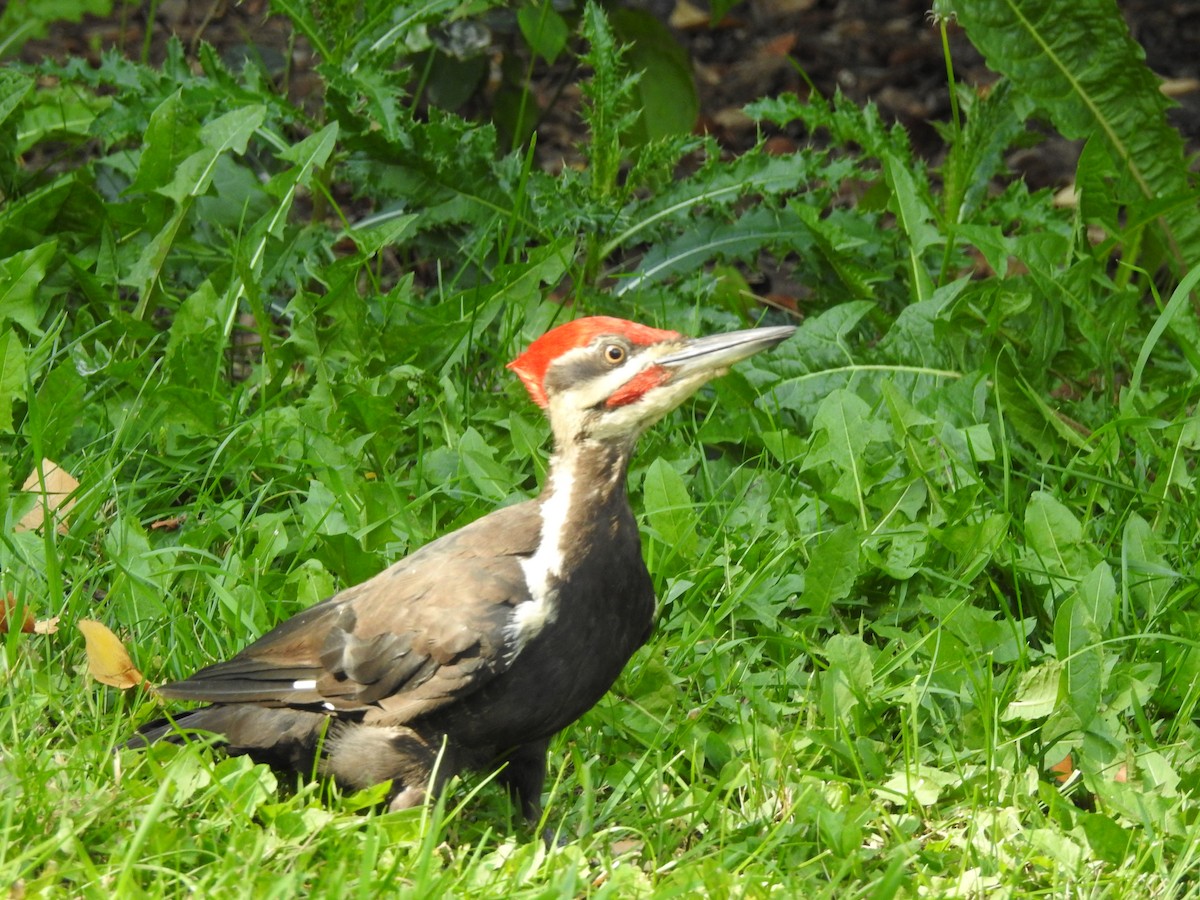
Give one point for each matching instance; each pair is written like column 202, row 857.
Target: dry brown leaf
column 168, row 524
column 686, row 15
column 1178, row 87
column 29, row 625
column 108, row 661
column 57, row 498
column 7, row 608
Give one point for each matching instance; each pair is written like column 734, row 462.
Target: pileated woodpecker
column 476, row 649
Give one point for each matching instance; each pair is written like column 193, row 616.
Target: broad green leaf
column 321, row 511
column 1110, row 842
column 1145, row 572
column 12, row 376
column 543, row 28
column 833, row 568
column 57, row 113
column 171, row 136
column 373, row 236
column 20, row 277
column 1077, row 643
column 228, row 133
column 1037, row 693
column 974, row 542
column 850, row 655
column 1098, row 595
column 666, row 92
column 14, row 87
column 309, row 155
column 1054, row 543
column 479, row 460
column 915, row 218
column 917, row 784
column 719, row 239
column 669, row 508
column 843, row 429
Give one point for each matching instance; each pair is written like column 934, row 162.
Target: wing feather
column 425, row 631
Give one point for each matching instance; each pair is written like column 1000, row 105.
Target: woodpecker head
column 605, row 379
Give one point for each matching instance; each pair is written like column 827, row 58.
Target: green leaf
column 669, row 508
column 666, row 91
column 14, row 88
column 543, row 28
column 915, row 218
column 20, row 278
column 821, row 343
column 479, row 460
column 1080, row 63
column 227, row 133
column 171, row 137
column 719, row 239
column 1077, row 643
column 1037, row 693
column 1109, row 841
column 832, row 571
column 309, row 155
column 12, row 376
column 1054, row 543
column 1144, row 570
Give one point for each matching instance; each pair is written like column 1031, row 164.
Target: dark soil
column 886, row 51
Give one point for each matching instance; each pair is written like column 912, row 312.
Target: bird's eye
column 614, row 354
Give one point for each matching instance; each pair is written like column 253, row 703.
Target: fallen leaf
column 108, row 661
column 168, row 524
column 1178, row 87
column 686, row 15
column 46, row 626
column 1064, row 768
column 59, row 485
column 7, row 608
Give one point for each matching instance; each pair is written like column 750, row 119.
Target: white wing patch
column 544, row 567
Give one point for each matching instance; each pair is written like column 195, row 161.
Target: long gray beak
column 720, row 351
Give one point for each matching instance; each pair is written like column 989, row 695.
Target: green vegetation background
column 927, row 572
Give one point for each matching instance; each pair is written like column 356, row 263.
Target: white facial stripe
column 546, row 564
column 637, row 416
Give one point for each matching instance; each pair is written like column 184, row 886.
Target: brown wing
column 425, row 631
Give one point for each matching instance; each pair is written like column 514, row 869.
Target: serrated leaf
column 669, row 508
column 1080, row 63
column 723, row 239
column 1037, row 693
column 20, row 277
column 14, row 88
column 308, row 156
column 915, row 218
column 832, row 571
column 227, row 133
column 108, row 660
column 479, row 461
column 805, row 361
column 12, row 376
column 170, row 137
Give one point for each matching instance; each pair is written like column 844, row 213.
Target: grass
column 926, row 571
